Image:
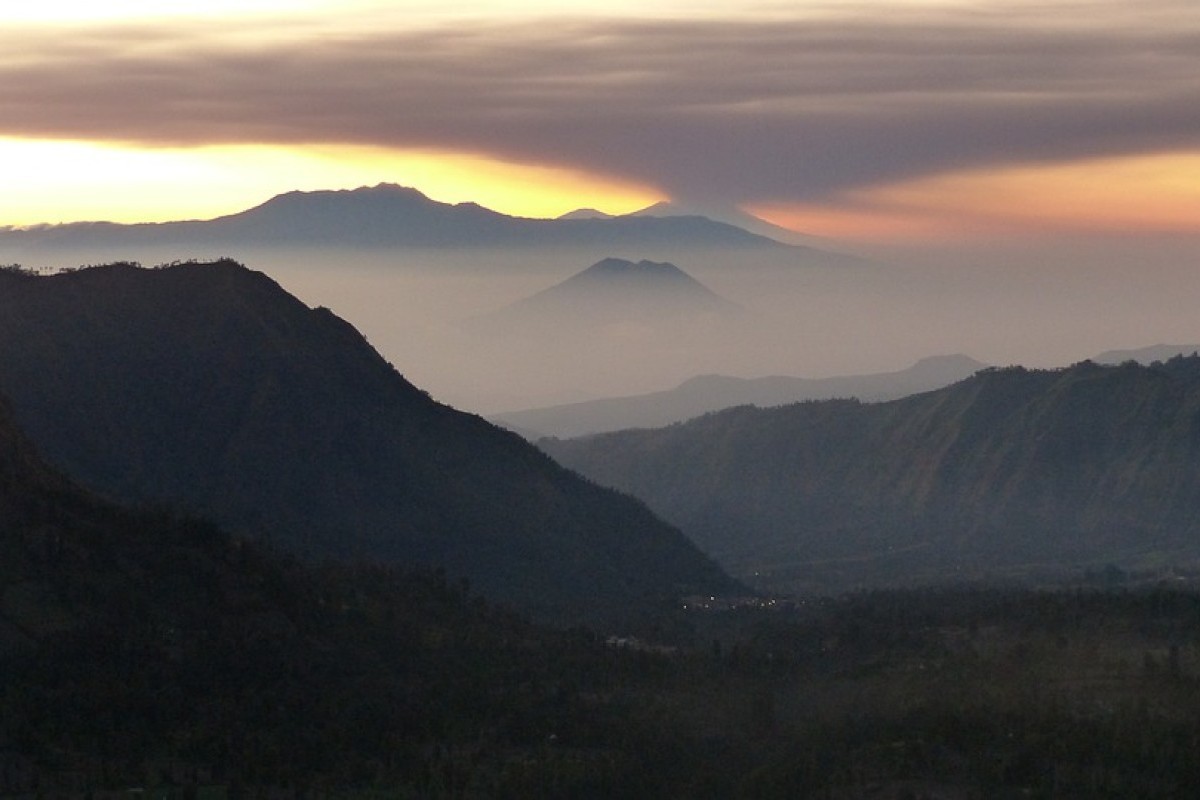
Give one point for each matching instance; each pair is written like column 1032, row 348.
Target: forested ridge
column 145, row 650
column 208, row 388
column 1012, row 473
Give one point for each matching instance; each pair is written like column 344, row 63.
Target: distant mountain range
column 1012, row 472
column 709, row 393
column 387, row 216
column 611, row 292
column 209, row 388
column 732, row 216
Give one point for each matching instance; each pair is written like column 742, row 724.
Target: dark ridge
column 208, row 387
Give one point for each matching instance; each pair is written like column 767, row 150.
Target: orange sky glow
column 465, row 136
column 1137, row 194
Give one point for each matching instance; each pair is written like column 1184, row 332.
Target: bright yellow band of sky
column 55, row 181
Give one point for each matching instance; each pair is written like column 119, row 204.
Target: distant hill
column 731, row 215
column 1010, row 473
column 611, row 292
column 208, row 387
column 1147, row 355
column 585, row 213
column 708, row 393
column 387, row 216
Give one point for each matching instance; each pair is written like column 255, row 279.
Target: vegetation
column 407, row 688
column 1012, row 474
column 148, row 650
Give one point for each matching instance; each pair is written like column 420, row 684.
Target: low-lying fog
column 1037, row 306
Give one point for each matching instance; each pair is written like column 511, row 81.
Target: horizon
column 365, row 187
column 946, row 122
column 810, row 311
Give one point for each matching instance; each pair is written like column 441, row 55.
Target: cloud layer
column 754, row 108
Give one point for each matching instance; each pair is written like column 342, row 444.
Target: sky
column 859, row 119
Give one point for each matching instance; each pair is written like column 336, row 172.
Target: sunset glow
column 73, row 181
column 77, row 11
column 1145, row 194
column 948, row 120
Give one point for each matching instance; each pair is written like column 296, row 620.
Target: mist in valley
column 802, row 312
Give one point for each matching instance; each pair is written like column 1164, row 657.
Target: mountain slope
column 37, row 505
column 709, row 393
column 209, row 387
column 1011, row 471
column 145, row 649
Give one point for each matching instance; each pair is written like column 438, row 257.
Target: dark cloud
column 771, row 109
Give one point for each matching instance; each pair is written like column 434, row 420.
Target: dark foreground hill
column 146, row 649
column 1011, row 472
column 149, row 655
column 153, row 654
column 208, row 387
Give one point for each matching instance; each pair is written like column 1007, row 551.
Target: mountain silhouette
column 707, row 393
column 732, row 215
column 1012, row 472
column 387, row 216
column 611, row 292
column 207, row 387
column 585, row 213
